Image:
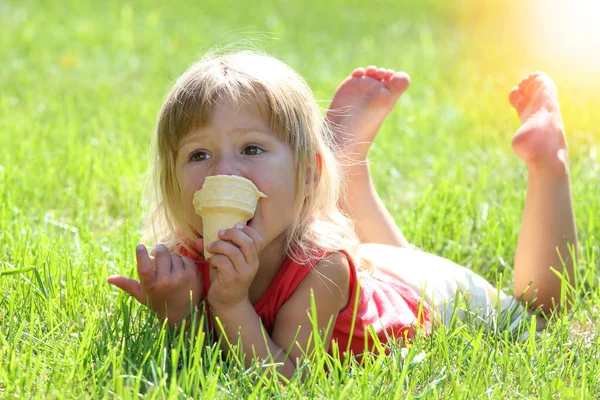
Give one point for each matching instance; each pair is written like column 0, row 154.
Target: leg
column 361, row 103
column 548, row 227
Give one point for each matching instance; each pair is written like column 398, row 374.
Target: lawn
column 81, row 84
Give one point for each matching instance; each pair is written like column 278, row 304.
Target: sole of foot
column 540, row 140
column 360, row 105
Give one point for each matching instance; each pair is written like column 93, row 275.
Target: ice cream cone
column 222, row 202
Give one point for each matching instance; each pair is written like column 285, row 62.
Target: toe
column 531, row 87
column 518, row 99
column 524, row 84
column 371, row 70
column 358, row 72
column 380, row 74
column 530, row 84
column 388, row 75
column 399, row 82
column 544, row 81
column 515, row 96
column 535, row 74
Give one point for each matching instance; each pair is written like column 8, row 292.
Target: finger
column 223, row 266
column 145, row 268
column 190, row 266
column 129, row 286
column 162, row 262
column 176, row 264
column 252, row 253
column 177, row 268
column 193, row 269
column 231, row 251
column 255, row 236
column 243, row 241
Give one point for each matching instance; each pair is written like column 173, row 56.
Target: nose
column 226, row 165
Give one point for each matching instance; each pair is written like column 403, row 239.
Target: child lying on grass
column 250, row 115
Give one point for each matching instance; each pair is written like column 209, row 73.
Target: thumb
column 129, row 286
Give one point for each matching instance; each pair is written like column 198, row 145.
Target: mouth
column 249, row 223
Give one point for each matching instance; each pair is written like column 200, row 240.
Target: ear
column 317, row 175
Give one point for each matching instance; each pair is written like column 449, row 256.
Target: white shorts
column 451, row 290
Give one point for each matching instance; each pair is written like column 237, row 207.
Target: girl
column 251, row 115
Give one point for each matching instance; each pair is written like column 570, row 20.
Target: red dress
column 392, row 309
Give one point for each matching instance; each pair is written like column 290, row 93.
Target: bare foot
column 540, row 141
column 359, row 106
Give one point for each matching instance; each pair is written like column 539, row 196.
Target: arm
column 327, row 282
column 235, row 264
column 165, row 284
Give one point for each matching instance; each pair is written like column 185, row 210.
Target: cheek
column 188, row 185
column 187, row 196
column 290, row 189
column 189, row 181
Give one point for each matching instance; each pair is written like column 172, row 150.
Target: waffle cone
column 223, row 202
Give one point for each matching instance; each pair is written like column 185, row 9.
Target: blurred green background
column 81, row 83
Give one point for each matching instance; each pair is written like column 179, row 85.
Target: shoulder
column 326, row 285
column 328, row 281
column 333, row 271
column 335, row 265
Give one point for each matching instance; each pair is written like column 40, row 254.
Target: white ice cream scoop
column 223, row 202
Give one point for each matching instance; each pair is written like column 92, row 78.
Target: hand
column 233, row 266
column 165, row 286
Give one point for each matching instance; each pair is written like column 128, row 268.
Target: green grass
column 82, row 83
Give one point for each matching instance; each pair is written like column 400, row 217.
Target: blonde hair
column 287, row 103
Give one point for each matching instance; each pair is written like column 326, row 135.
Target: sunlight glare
column 568, row 33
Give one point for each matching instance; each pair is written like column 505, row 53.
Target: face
column 239, row 142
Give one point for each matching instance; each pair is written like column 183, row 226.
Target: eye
column 199, row 155
column 252, row 150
